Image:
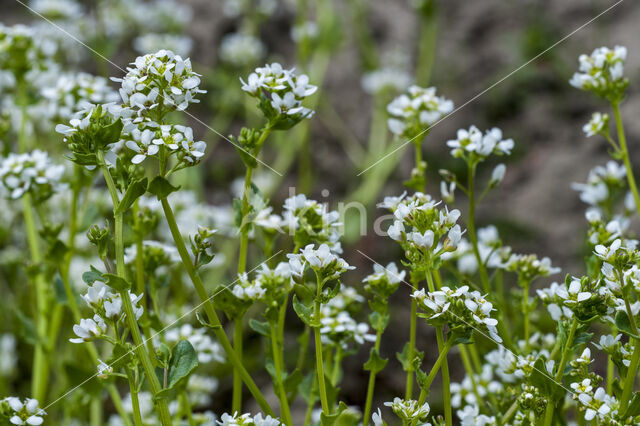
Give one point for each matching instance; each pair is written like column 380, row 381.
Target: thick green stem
column 622, row 140
column 440, row 362
column 412, row 345
column 632, row 371
column 277, row 361
column 140, row 350
column 209, row 308
column 238, row 331
column 371, row 385
column 471, row 227
column 186, row 408
column 135, row 402
column 548, row 415
column 318, row 343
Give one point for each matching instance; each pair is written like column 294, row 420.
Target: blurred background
column 361, row 54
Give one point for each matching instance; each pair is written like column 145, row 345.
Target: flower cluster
column 175, row 138
column 413, row 113
column 75, row 92
column 23, row 55
column 474, row 146
column 247, row 419
column 32, row 173
column 602, row 72
column 595, row 403
column 337, row 325
column 462, row 310
column 409, row 410
column 159, row 82
column 580, row 296
column 107, row 307
column 602, row 183
column 419, row 225
column 280, row 93
column 529, row 267
column 25, row 412
column 307, row 221
column 240, row 49
column 323, row 262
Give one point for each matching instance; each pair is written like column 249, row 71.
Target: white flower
column 390, row 272
column 25, row 413
column 596, row 124
column 104, row 370
column 447, row 191
column 424, row 240
column 602, row 72
column 88, row 329
column 473, row 142
column 416, row 111
column 498, row 174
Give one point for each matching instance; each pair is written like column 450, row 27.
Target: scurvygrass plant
column 122, row 267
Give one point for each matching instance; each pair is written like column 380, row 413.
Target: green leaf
column 27, row 328
column 246, row 157
column 304, row 312
column 634, row 406
column 260, row 327
column 303, row 292
column 136, row 189
column 204, row 322
column 375, row 363
column 109, row 134
column 59, row 290
column 121, row 355
column 183, row 361
column 161, row 188
column 92, row 276
column 57, row 251
column 291, row 383
column 331, row 419
column 544, row 382
column 624, row 324
column 116, row 282
column 305, row 388
column 403, row 357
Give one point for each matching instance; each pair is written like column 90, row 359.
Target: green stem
column 513, row 408
column 441, row 361
column 625, row 155
column 427, row 45
column 371, row 385
column 135, row 402
column 242, row 265
column 209, row 308
column 548, row 415
column 446, row 387
column 412, row 344
column 525, row 312
column 335, row 374
column 318, row 343
column 40, row 360
column 277, row 361
column 632, row 371
column 471, row 227
column 95, row 409
column 186, row 407
column 140, row 350
column 238, row 331
column 140, row 284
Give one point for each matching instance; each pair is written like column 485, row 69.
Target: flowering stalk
column 318, row 343
column 135, row 403
column 548, row 415
column 442, row 347
column 441, row 361
column 140, row 350
column 277, row 361
column 214, row 320
column 412, row 345
column 372, row 383
column 471, row 227
column 242, row 264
